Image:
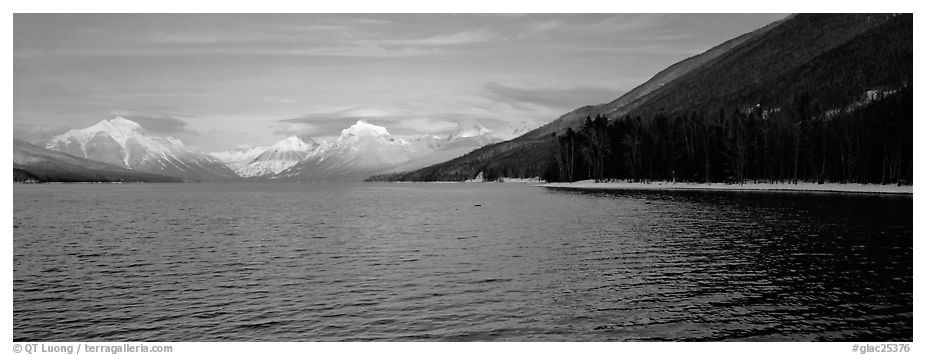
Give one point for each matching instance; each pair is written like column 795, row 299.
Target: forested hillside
column 821, row 97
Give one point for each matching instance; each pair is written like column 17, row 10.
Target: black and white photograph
column 536, row 177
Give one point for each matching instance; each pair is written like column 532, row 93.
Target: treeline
column 868, row 141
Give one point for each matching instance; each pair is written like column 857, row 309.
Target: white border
column 416, row 6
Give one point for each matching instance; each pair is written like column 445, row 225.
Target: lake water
column 456, row 262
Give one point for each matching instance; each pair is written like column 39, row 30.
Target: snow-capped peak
column 363, row 128
column 468, row 128
column 516, row 130
column 117, row 128
column 123, row 123
column 120, row 129
column 125, row 143
column 292, row 143
column 240, row 155
column 269, row 161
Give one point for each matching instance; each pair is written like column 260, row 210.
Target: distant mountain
column 361, row 150
column 467, row 129
column 364, row 149
column 516, row 130
column 444, row 149
column 269, row 161
column 126, row 144
column 237, row 159
column 834, row 58
column 32, row 163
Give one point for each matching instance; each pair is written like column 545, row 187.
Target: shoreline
column 766, row 187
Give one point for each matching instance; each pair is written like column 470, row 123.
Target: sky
column 225, row 81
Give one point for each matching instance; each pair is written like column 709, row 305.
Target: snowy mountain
column 126, row 144
column 445, row 149
column 32, row 163
column 360, row 149
column 516, row 130
column 365, row 149
column 236, row 159
column 269, row 161
column 467, row 129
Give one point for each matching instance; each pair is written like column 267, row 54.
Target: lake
column 456, row 262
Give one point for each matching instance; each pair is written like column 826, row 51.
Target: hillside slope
column 736, row 74
column 37, row 164
column 755, row 65
column 658, row 81
column 125, row 143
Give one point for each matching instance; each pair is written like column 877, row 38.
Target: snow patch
column 269, row 161
column 798, row 187
column 364, row 128
column 867, row 98
column 468, row 128
column 531, row 180
column 238, row 155
column 478, row 178
column 516, row 130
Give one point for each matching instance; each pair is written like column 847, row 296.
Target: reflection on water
column 350, row 262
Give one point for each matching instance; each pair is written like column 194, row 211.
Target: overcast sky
column 221, row 81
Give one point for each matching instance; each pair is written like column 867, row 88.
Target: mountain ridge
column 125, row 143
column 32, row 163
column 716, row 83
column 656, row 82
column 360, row 150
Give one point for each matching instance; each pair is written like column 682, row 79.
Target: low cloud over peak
column 155, row 122
column 561, row 98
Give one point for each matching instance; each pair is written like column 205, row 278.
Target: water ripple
column 369, row 262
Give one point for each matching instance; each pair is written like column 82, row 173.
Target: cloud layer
column 221, row 80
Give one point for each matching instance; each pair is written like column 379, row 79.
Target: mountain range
column 363, row 149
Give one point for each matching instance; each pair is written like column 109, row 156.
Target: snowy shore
column 799, row 187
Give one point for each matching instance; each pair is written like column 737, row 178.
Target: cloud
column 367, row 112
column 335, row 38
column 295, row 129
column 561, row 98
column 349, row 27
column 276, row 100
column 155, row 122
column 330, row 122
column 360, row 49
column 459, row 38
column 162, row 37
column 316, row 124
column 35, row 133
column 539, row 30
column 341, row 114
column 363, row 21
column 625, row 23
column 427, row 125
column 507, row 15
column 642, row 48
